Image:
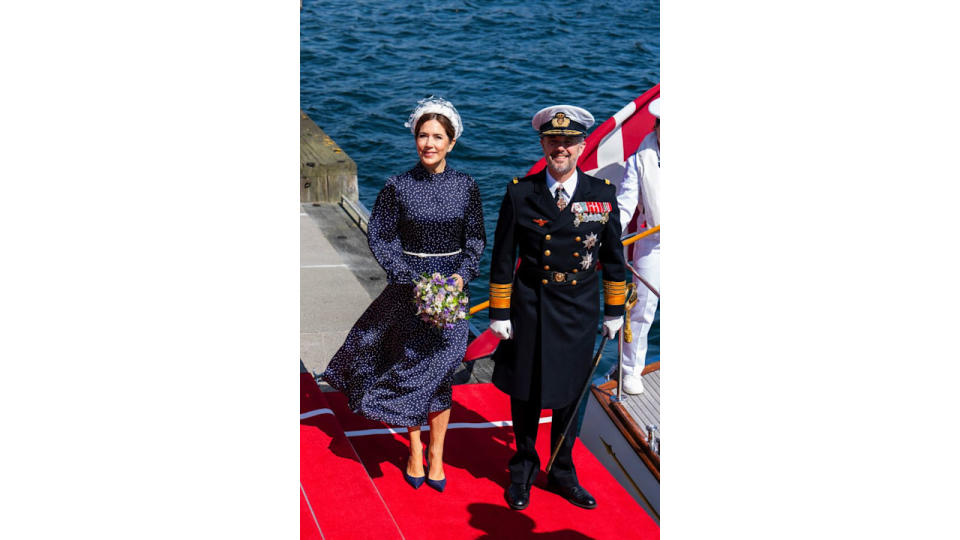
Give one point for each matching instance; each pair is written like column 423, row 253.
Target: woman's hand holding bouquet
column 441, row 300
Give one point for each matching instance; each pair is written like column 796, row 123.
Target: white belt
column 433, row 254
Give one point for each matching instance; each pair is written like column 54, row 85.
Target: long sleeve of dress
column 474, row 236
column 383, row 236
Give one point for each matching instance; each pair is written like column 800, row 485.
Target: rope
column 631, row 301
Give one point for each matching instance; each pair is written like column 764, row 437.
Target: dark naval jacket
column 552, row 301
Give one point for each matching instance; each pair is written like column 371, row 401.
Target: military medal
column 590, row 211
column 586, row 261
column 590, row 241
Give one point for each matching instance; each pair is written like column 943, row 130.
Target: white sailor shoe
column 633, row 384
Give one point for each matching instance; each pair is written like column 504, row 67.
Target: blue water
column 364, row 64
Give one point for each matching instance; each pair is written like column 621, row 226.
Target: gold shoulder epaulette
column 500, row 295
column 515, row 179
column 614, row 292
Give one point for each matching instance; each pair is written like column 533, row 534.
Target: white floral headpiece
column 437, row 105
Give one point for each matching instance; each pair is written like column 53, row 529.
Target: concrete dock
column 338, row 280
column 338, row 275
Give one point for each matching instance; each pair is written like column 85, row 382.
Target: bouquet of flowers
column 439, row 303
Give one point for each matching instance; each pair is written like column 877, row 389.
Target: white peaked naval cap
column 562, row 120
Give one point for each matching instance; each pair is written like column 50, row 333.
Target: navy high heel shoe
column 435, row 484
column 414, row 481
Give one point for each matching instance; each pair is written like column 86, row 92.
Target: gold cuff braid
column 614, row 292
column 500, row 295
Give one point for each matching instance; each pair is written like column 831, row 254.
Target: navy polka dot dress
column 393, row 367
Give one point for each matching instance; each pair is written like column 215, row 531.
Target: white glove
column 611, row 325
column 501, row 329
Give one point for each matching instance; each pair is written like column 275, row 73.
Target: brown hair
column 444, row 121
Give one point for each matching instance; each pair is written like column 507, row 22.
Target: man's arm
column 503, row 260
column 611, row 256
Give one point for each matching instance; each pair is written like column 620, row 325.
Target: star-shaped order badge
column 586, row 261
column 590, row 241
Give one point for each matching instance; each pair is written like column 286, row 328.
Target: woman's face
column 433, row 145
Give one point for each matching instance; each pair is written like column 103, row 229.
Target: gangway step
column 338, row 500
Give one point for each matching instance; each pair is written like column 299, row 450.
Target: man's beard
column 565, row 168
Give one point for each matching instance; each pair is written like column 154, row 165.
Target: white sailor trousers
column 646, row 261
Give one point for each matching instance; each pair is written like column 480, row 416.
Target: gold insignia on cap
column 560, row 120
column 607, row 181
column 515, row 180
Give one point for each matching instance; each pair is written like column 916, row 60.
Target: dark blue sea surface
column 364, row 64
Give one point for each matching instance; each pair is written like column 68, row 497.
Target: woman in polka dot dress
column 393, row 367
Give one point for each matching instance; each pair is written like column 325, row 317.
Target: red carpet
column 472, row 505
column 308, row 526
column 334, row 484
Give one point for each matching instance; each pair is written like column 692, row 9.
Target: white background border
column 150, row 283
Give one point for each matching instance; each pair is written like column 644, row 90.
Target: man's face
column 561, row 152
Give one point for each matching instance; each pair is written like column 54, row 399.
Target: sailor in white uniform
column 640, row 192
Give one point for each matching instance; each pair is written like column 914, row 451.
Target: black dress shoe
column 517, row 495
column 575, row 494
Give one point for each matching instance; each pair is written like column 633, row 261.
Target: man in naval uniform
column 563, row 222
column 639, row 192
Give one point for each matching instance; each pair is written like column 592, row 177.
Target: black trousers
column 525, row 464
